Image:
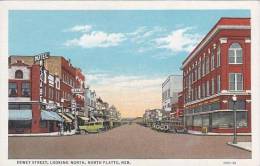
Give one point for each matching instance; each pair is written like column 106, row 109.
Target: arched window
column 235, row 54
column 18, row 74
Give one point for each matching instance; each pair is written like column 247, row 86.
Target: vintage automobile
column 91, row 127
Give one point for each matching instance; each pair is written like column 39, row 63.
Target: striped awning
column 20, row 115
column 83, row 118
column 50, row 115
column 70, row 116
column 66, row 119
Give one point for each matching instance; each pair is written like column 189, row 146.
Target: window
column 197, row 121
column 207, row 65
column 12, row 89
column 235, row 54
column 235, row 81
column 208, row 92
column 43, row 124
column 218, row 83
column 240, row 105
column 199, row 92
column 18, row 74
column 199, row 70
column 212, row 62
column 218, row 56
column 20, row 124
column 26, row 90
column 203, row 66
column 225, row 119
column 212, row 86
column 19, row 106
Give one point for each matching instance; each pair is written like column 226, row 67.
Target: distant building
column 170, row 89
column 90, row 101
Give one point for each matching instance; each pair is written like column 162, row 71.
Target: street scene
column 143, row 85
column 126, row 142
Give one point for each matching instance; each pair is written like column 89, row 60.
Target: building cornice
column 216, row 95
column 208, row 38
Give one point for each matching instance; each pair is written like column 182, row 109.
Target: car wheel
column 83, row 132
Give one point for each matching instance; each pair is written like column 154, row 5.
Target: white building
column 170, row 89
column 90, row 100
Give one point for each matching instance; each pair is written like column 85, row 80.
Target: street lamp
column 234, row 99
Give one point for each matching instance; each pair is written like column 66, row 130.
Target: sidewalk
column 242, row 145
column 57, row 134
column 216, row 134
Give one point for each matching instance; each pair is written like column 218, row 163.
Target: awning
column 66, row 119
column 50, row 115
column 20, row 114
column 83, row 118
column 70, row 116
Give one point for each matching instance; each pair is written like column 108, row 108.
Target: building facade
column 27, row 114
column 217, row 69
column 170, row 89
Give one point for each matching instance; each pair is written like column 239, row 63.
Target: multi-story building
column 217, row 69
column 177, row 108
column 27, row 114
column 170, row 89
column 90, row 101
column 70, row 78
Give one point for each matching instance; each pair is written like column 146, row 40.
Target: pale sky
column 125, row 55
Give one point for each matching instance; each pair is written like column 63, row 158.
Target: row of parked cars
column 172, row 127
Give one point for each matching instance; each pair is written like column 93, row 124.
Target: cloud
column 180, row 40
column 80, row 28
column 131, row 94
column 97, row 39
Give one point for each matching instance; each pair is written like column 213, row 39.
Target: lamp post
column 234, row 99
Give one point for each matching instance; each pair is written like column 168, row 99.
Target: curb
column 239, row 147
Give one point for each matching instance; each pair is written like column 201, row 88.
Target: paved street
column 128, row 141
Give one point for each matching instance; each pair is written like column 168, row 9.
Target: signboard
column 73, row 105
column 76, row 91
column 41, row 56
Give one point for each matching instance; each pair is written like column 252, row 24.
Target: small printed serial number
column 230, row 162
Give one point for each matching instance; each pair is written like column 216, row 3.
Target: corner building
column 217, row 69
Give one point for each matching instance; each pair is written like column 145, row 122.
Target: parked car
column 91, row 127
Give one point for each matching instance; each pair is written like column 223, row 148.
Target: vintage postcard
column 130, row 83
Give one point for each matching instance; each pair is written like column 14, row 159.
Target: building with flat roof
column 217, row 69
column 170, row 89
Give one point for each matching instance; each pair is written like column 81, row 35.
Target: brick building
column 26, row 113
column 177, row 111
column 217, row 69
column 69, row 77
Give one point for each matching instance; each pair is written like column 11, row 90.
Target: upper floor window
column 235, row 54
column 235, row 81
column 26, row 90
column 212, row 62
column 18, row 74
column 12, row 89
column 218, row 56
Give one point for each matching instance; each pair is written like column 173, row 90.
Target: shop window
column 226, row 119
column 197, row 121
column 205, row 120
column 18, row 74
column 235, row 54
column 26, row 89
column 12, row 89
column 43, row 124
column 188, row 120
column 19, row 123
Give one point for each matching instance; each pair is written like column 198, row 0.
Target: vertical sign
column 40, row 58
